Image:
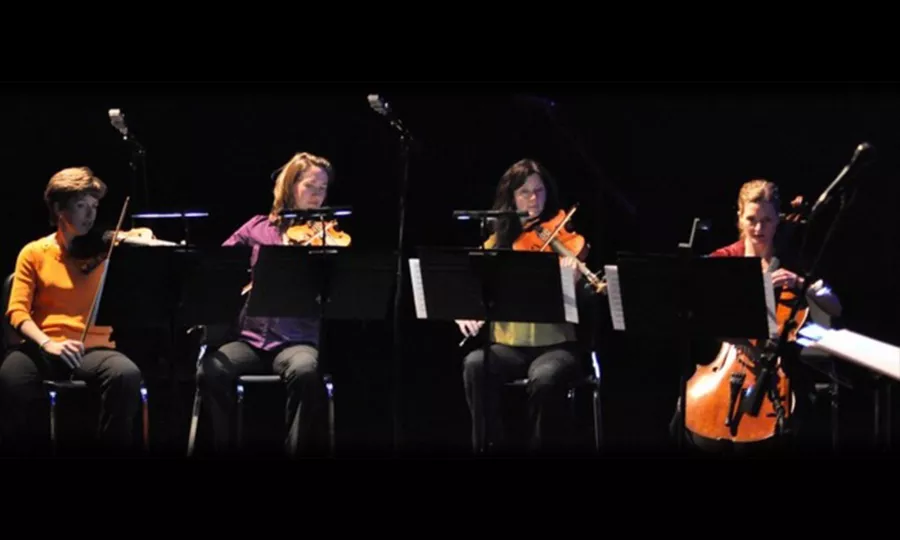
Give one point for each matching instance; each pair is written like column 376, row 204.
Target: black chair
column 591, row 381
column 53, row 387
column 240, row 387
column 591, row 309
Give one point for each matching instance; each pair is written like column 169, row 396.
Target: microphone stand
column 138, row 153
column 407, row 142
column 767, row 379
column 398, row 356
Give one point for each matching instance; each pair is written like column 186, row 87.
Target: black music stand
column 491, row 285
column 211, row 282
column 293, row 281
column 170, row 286
column 678, row 296
column 322, row 283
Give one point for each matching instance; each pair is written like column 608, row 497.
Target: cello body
column 714, row 396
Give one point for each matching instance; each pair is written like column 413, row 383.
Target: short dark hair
column 70, row 183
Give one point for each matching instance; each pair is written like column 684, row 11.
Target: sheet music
column 570, row 303
column 615, row 296
column 415, row 274
column 770, row 304
column 869, row 353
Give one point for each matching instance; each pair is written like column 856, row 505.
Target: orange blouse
column 51, row 291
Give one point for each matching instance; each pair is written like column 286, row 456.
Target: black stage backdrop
column 672, row 153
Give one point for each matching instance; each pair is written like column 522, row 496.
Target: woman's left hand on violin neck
column 572, row 263
column 140, row 233
column 143, row 236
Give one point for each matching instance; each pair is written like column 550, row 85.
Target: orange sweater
column 51, row 291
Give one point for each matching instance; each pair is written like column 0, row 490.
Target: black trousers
column 24, row 406
column 550, row 372
column 306, row 393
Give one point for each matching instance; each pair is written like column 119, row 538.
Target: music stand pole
column 487, row 300
column 485, row 349
column 684, row 258
column 398, row 356
column 452, row 284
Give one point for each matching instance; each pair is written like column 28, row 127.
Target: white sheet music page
column 870, row 353
column 570, row 303
column 770, row 304
column 415, row 274
column 614, row 294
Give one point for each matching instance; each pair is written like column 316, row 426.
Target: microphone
column 383, row 108
column 117, row 119
column 379, row 105
column 826, row 195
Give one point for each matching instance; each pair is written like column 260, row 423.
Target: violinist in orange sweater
column 50, row 300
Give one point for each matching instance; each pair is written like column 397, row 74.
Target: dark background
column 674, row 152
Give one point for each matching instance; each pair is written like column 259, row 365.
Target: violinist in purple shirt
column 286, row 346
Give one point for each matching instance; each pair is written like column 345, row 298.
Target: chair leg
column 195, row 420
column 240, row 416
column 145, row 418
column 598, row 421
column 198, row 400
column 598, row 413
column 53, row 395
column 329, row 385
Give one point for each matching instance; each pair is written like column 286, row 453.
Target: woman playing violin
column 547, row 354
column 287, row 346
column 50, row 300
column 758, row 220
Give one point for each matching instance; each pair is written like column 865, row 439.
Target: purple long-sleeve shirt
column 264, row 332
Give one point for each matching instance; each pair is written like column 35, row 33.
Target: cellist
column 52, row 292
column 758, row 219
column 546, row 353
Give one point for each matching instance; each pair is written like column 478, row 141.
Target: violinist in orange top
column 49, row 303
column 547, row 354
column 708, row 391
column 286, row 346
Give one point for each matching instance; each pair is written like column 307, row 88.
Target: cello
column 716, row 404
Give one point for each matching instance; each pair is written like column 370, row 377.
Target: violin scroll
column 799, row 211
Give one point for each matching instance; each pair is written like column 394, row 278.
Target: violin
column 310, row 234
column 557, row 234
column 715, row 405
column 90, row 250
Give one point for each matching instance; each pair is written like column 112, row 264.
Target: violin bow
column 559, row 227
column 112, row 244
